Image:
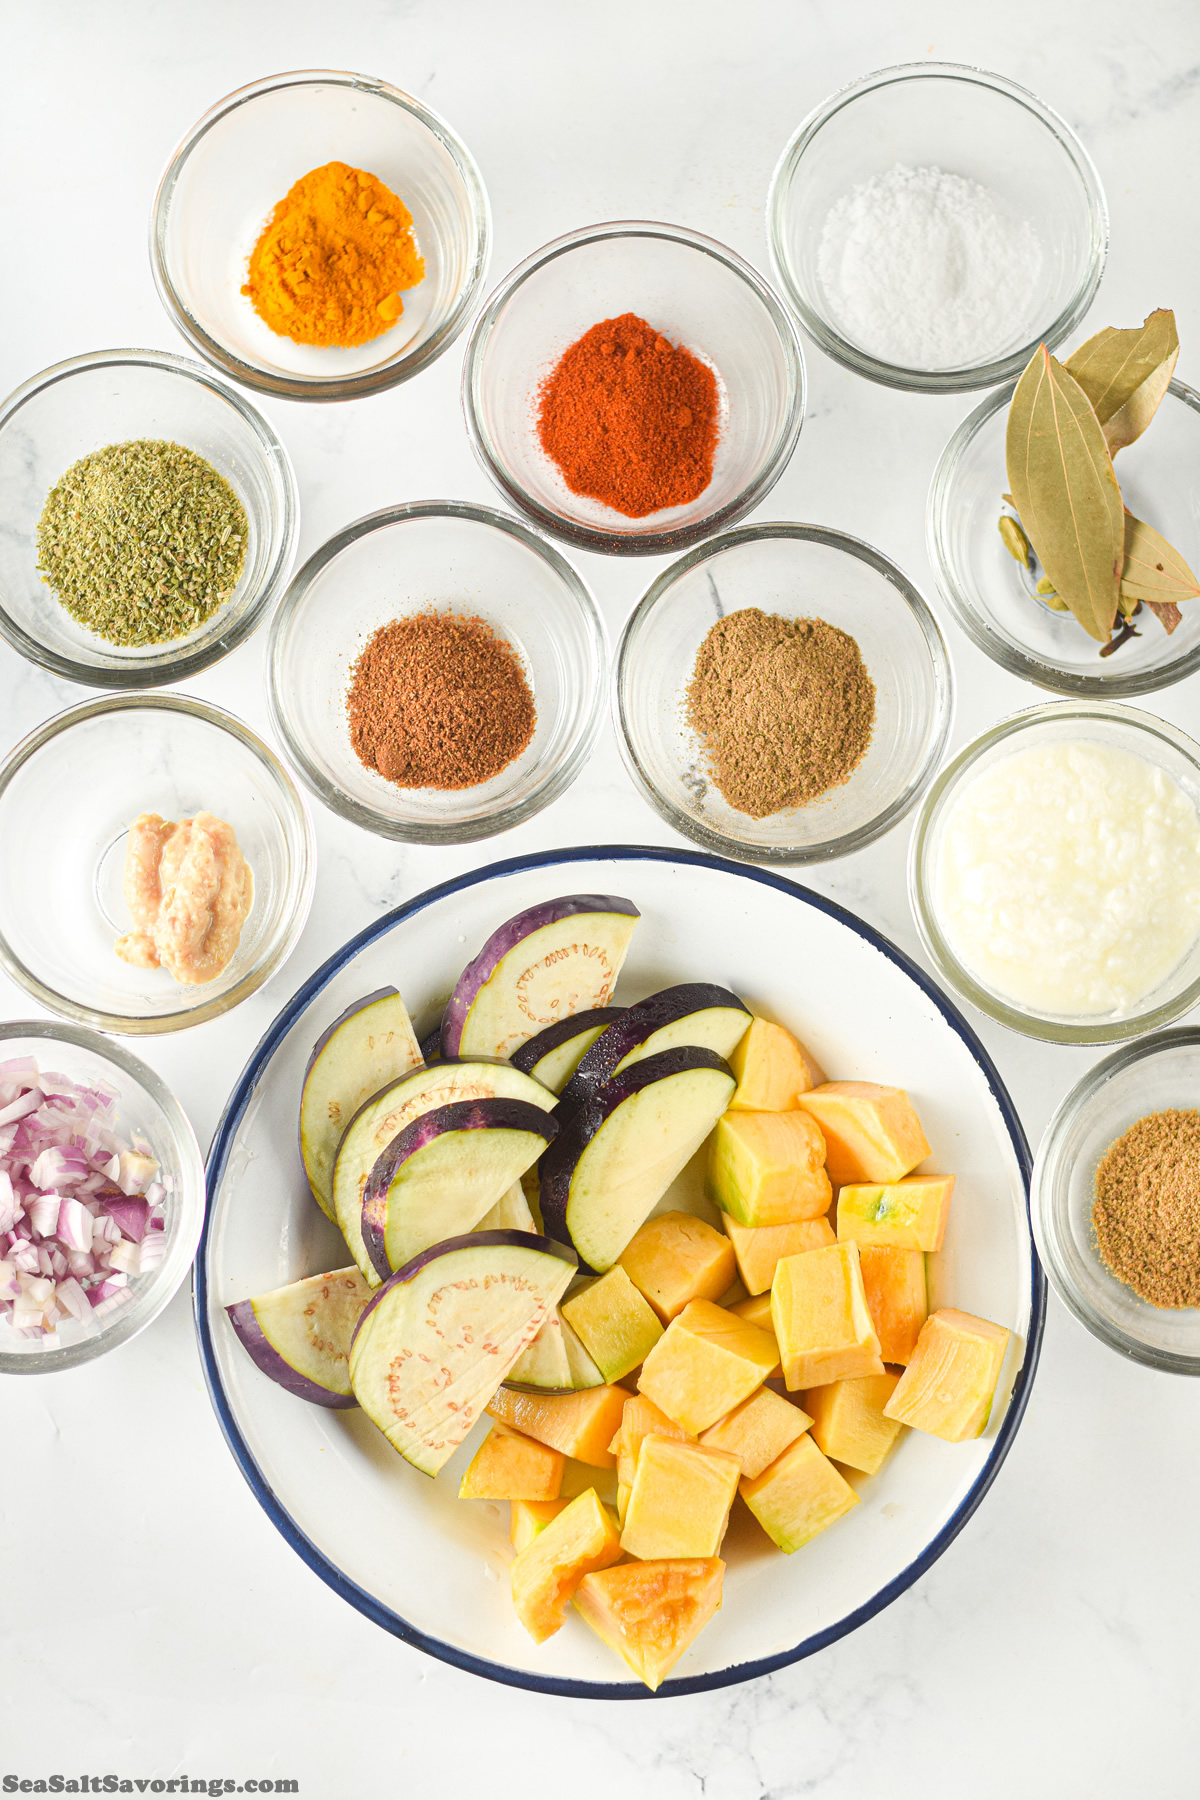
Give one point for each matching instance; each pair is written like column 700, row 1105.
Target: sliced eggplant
column 617, row 1155
column 438, row 1176
column 510, row 1213
column 386, row 1113
column 371, row 1044
column 562, row 956
column 552, row 1056
column 693, row 1012
column 300, row 1335
column 555, row 1363
column 440, row 1335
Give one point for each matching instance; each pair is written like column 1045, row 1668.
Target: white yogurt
column 1068, row 878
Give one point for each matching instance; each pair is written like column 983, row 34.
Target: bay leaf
column 1153, row 570
column 1126, row 373
column 1062, row 481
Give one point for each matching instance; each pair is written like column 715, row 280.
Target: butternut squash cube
column 848, row 1421
column 547, row 1571
column 822, row 1324
column 772, row 1070
column 767, row 1168
column 580, row 1425
column 758, row 1430
column 706, row 1361
column 904, row 1215
column 948, row 1386
column 759, row 1247
column 800, row 1495
column 613, row 1323
column 680, row 1500
column 651, row 1612
column 894, row 1282
column 757, row 1311
column 509, row 1466
column 677, row 1258
column 527, row 1517
column 871, row 1133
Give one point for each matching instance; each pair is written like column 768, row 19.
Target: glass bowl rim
column 672, row 538
column 431, row 832
column 303, row 876
column 191, row 659
column 935, row 645
column 971, row 619
column 950, row 970
column 369, row 381
column 192, row 1195
column 1046, row 1179
column 978, row 375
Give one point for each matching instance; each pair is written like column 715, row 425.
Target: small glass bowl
column 224, row 181
column 800, row 571
column 1099, row 722
column 966, row 122
column 408, row 559
column 68, row 794
column 109, row 397
column 699, row 295
column 992, row 596
column 1156, row 1074
column 147, row 1109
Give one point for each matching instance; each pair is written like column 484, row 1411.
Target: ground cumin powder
column 438, row 700
column 785, row 708
column 1146, row 1214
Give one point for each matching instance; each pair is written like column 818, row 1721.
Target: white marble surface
column 153, row 1621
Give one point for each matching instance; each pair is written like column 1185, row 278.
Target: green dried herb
column 1015, row 541
column 142, row 542
column 1153, row 570
column 1061, row 476
column 1126, row 373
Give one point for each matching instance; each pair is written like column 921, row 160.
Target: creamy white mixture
column 1068, row 878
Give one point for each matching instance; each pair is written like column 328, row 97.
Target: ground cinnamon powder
column 438, row 700
column 630, row 418
column 1146, row 1214
column 785, row 708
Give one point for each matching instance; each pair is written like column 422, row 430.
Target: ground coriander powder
column 1146, row 1213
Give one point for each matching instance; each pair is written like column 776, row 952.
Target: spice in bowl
column 331, row 261
column 190, row 890
column 784, row 707
column 630, row 419
column 141, row 542
column 439, row 700
column 1146, row 1214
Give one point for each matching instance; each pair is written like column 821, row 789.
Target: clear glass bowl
column 699, row 295
column 1155, row 1075
column 68, row 794
column 224, row 181
column 800, row 571
column 147, row 1109
column 1098, row 722
column 966, row 122
column 404, row 560
column 108, row 397
column 991, row 595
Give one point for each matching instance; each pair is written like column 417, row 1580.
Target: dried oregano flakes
column 141, row 542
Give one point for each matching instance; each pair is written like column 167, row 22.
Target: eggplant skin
column 639, row 1022
column 552, row 1037
column 254, row 1340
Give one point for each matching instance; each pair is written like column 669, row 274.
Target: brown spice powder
column 438, row 700
column 1146, row 1214
column 785, row 708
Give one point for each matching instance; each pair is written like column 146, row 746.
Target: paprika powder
column 630, row 419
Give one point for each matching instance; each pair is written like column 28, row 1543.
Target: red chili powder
column 630, row 419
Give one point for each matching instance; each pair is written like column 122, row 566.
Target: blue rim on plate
column 381, row 1615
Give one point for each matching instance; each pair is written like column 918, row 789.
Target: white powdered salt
column 928, row 270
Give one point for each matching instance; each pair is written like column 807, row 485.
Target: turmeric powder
column 331, row 259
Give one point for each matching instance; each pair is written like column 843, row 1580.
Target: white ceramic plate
column 433, row 1569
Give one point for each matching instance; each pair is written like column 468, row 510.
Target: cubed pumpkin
column 580, row 1425
column 651, row 1612
column 894, row 1282
column 758, row 1248
column 757, row 1311
column 871, row 1133
column 767, row 1168
column 680, row 1499
column 822, row 1325
column 510, row 1466
column 948, row 1386
column 799, row 1495
column 772, row 1070
column 613, row 1322
column 547, row 1571
column 758, row 1430
column 676, row 1258
column 904, row 1215
column 639, row 1419
column 527, row 1517
column 848, row 1420
column 706, row 1361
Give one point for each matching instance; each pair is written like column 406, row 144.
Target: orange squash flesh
column 651, row 1612
column 580, row 1425
column 680, row 1500
column 848, row 1420
column 547, row 1571
column 767, row 1168
column 907, row 1215
column 758, row 1430
column 822, row 1324
column 800, row 1495
column 677, row 1258
column 527, row 1517
column 760, row 1248
column 704, row 1364
column 894, row 1282
column 510, row 1466
column 772, row 1070
column 871, row 1133
column 948, row 1387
